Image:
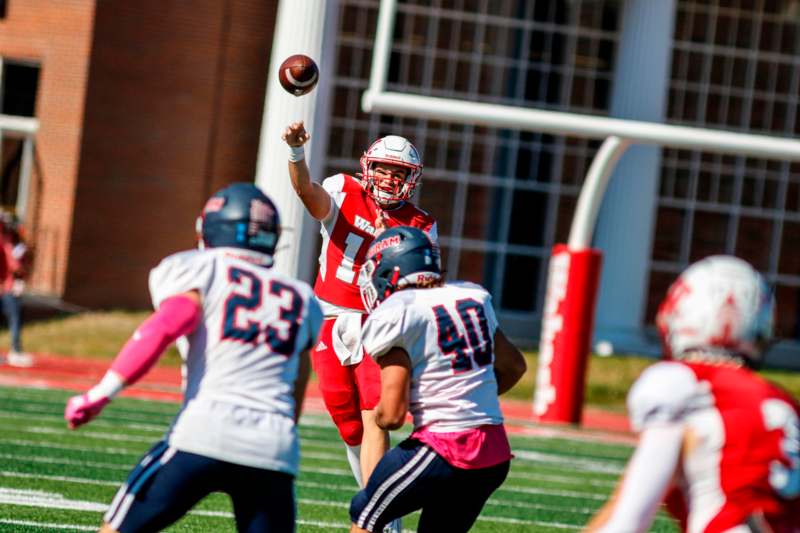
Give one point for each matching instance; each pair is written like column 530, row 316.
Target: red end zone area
column 164, row 384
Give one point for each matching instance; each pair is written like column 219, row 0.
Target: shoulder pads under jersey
column 665, row 393
column 181, row 272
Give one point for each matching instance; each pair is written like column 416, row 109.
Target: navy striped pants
column 167, row 483
column 412, row 476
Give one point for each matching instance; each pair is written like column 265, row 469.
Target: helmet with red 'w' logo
column 719, row 304
column 391, row 150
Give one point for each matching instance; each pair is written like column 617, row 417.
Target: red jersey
column 742, row 455
column 347, row 232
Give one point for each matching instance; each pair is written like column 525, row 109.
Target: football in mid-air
column 298, row 74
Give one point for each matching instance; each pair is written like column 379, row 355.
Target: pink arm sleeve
column 177, row 316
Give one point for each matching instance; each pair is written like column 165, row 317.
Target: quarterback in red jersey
column 353, row 211
column 718, row 443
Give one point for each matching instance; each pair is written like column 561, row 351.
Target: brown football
column 298, row 74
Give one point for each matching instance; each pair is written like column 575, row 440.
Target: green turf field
column 53, row 479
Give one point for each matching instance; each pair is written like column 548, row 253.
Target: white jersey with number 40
column 448, row 333
column 241, row 362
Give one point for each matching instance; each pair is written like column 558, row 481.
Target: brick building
column 144, row 109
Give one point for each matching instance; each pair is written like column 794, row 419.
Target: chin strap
column 717, row 356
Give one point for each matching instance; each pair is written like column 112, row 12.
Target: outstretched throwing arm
column 314, row 197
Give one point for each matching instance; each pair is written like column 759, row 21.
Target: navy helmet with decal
column 400, row 257
column 241, row 216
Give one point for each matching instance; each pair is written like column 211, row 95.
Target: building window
column 19, row 83
column 499, row 195
column 734, row 68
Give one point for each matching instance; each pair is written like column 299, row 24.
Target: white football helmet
column 721, row 303
column 393, row 150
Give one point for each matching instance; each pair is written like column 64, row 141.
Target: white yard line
column 329, row 471
column 88, row 434
column 66, row 479
column 47, row 526
column 317, row 440
column 67, row 462
column 567, row 480
column 321, row 441
column 340, row 472
column 540, row 506
column 315, row 414
column 551, row 492
column 325, row 525
column 318, row 445
column 501, row 520
column 46, row 500
column 323, row 456
column 59, row 420
column 584, row 435
column 351, row 489
column 21, row 394
column 52, row 500
column 572, row 463
column 39, row 444
column 317, row 418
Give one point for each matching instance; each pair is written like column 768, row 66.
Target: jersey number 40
column 474, row 349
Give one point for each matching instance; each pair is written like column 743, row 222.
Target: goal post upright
column 382, row 52
column 574, row 270
column 573, row 281
column 594, row 186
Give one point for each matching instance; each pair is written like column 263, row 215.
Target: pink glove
column 80, row 409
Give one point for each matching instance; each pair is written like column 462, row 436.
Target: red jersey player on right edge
column 352, row 212
column 718, row 443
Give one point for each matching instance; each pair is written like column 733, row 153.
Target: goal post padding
column 567, row 323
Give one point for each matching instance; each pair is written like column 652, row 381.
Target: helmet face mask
column 381, row 166
column 719, row 306
column 239, row 216
column 387, row 182
column 400, row 257
column 369, row 292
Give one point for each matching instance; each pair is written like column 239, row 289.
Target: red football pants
column 346, row 390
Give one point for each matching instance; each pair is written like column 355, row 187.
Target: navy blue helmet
column 400, row 257
column 241, row 216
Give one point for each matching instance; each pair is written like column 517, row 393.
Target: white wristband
column 109, row 386
column 296, row 153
